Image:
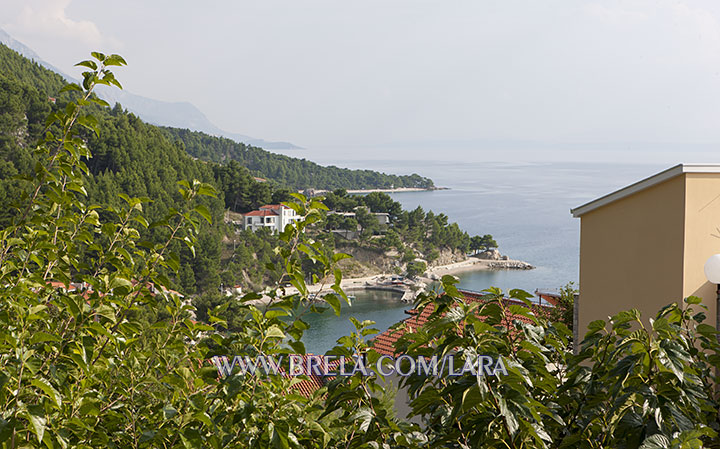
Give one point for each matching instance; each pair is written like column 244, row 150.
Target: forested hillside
column 141, row 160
column 289, row 171
column 286, row 171
column 120, row 363
column 129, row 156
column 413, row 233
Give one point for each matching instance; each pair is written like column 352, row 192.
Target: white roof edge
column 644, row 184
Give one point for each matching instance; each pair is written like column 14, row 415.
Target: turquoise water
column 385, row 308
column 525, row 206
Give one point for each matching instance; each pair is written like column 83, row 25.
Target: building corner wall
column 631, row 254
column 701, row 237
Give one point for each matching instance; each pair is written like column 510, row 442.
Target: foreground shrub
column 96, row 350
column 630, row 386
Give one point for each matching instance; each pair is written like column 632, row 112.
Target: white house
column 273, row 216
column 382, row 217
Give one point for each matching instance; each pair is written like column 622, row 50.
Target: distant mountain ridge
column 28, row 89
column 174, row 114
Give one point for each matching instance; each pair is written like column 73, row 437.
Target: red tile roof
column 314, row 382
column 384, row 343
column 307, row 387
column 550, row 297
column 274, row 206
column 261, row 213
column 61, row 285
column 309, row 383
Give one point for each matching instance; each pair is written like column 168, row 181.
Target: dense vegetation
column 629, row 386
column 412, row 233
column 288, row 171
column 120, row 364
column 130, row 157
column 142, row 160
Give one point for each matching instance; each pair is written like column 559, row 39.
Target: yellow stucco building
column 644, row 246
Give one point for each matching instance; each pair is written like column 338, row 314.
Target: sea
column 524, row 205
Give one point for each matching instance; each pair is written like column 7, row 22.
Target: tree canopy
column 96, row 350
column 291, row 172
column 143, row 160
column 427, row 232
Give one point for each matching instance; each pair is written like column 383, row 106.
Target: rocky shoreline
column 409, row 288
column 510, row 265
column 490, row 260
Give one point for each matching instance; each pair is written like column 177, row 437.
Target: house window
column 249, row 220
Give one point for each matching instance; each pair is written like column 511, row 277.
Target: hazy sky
column 333, row 73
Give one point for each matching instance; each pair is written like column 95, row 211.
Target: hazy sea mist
column 524, row 205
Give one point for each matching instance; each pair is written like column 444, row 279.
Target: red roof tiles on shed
column 384, row 343
column 261, row 213
column 314, row 382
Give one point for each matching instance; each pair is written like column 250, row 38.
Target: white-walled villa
column 273, row 216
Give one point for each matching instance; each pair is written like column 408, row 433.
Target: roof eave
column 643, row 184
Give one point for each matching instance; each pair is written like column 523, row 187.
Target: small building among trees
column 273, row 216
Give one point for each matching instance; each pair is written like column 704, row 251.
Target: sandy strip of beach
column 431, row 275
column 323, row 288
column 471, row 264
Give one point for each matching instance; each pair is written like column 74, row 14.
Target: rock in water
column 491, row 254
